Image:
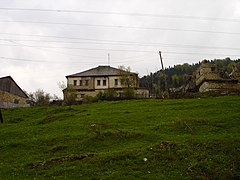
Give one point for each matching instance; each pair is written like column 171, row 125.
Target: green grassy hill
column 137, row 139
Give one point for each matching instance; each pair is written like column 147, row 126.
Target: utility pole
column 165, row 76
column 160, row 54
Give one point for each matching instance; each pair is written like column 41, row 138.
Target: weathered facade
column 11, row 95
column 95, row 80
column 208, row 78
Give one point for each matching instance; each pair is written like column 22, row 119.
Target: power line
column 28, row 60
column 91, row 39
column 40, row 61
column 43, row 36
column 58, row 52
column 122, row 27
column 110, row 42
column 125, row 50
column 72, row 62
column 172, row 52
column 63, row 37
column 126, row 14
column 44, row 49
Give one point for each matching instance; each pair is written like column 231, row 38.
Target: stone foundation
column 8, row 100
column 219, row 86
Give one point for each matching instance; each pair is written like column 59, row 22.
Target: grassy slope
column 181, row 139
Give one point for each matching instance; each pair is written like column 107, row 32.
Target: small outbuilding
column 11, row 95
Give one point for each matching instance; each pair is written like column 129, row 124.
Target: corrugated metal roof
column 9, row 85
column 98, row 71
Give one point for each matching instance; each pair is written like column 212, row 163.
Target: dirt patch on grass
column 106, row 131
column 57, row 148
column 59, row 160
column 164, row 146
column 16, row 120
column 167, row 145
column 54, row 117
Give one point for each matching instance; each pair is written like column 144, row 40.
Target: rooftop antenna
column 108, row 59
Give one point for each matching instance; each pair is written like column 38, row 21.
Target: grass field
column 137, row 139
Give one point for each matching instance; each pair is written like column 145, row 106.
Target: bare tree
column 62, row 85
column 70, row 94
column 39, row 98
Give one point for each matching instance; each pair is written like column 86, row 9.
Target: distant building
column 98, row 79
column 208, row 78
column 11, row 95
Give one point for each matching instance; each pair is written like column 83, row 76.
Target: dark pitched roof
column 9, row 85
column 97, row 71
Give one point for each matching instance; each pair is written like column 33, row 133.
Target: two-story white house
column 92, row 81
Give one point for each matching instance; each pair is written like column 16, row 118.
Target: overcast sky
column 42, row 41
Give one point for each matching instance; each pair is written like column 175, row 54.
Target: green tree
column 175, row 80
column 70, row 94
column 127, row 78
column 129, row 81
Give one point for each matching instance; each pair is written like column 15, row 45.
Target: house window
column 80, row 83
column 86, row 83
column 98, row 82
column 104, row 82
column 74, row 82
column 213, row 69
column 116, row 82
column 82, row 95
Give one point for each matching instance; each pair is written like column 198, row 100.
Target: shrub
column 128, row 93
column 90, row 99
column 109, row 94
